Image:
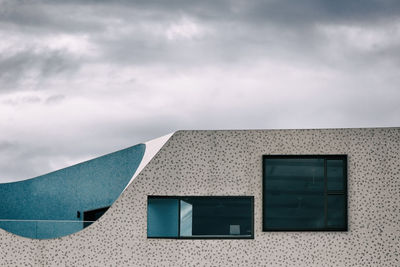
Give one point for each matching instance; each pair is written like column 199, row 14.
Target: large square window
column 199, row 217
column 305, row 193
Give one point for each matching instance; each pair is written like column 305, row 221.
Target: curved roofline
column 31, row 178
column 152, row 148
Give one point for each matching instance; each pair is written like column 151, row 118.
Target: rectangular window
column 305, row 193
column 199, row 217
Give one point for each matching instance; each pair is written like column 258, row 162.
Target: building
column 322, row 197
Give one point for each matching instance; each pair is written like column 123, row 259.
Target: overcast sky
column 82, row 78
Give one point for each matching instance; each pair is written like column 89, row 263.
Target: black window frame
column 179, row 198
column 326, row 193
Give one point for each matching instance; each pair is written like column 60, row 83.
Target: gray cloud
column 31, row 66
column 39, row 17
column 83, row 78
column 54, row 99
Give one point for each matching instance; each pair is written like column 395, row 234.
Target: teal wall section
column 46, row 206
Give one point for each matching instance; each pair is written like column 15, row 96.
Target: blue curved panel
column 52, row 205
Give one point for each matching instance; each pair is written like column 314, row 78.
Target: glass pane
column 162, row 217
column 215, row 217
column 186, row 218
column 293, row 194
column 335, row 175
column 336, row 208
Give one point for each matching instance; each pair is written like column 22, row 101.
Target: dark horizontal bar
column 306, row 230
column 206, row 237
column 336, row 156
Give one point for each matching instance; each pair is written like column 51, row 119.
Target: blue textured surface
column 162, row 217
column 59, row 195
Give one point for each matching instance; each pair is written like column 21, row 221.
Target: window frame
column 325, row 157
column 179, row 198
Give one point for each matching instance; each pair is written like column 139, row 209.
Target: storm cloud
column 79, row 79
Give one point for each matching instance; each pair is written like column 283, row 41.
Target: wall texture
column 230, row 163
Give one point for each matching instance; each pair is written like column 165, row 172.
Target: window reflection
column 304, row 193
column 201, row 217
column 186, row 218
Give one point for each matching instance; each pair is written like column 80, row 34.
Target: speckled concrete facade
column 230, row 163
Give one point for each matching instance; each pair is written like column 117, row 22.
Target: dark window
column 90, row 216
column 199, row 217
column 305, row 193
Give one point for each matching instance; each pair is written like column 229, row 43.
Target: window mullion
column 325, row 195
column 179, row 217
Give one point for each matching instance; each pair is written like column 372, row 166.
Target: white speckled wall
column 230, row 163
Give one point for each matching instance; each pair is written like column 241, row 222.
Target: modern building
column 321, row 197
